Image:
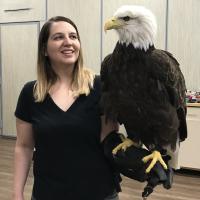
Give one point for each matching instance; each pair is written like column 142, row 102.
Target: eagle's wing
column 174, row 83
column 105, row 68
column 105, row 102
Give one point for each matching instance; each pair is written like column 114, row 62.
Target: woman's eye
column 127, row 18
column 73, row 37
column 59, row 37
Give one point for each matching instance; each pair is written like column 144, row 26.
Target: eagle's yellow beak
column 112, row 23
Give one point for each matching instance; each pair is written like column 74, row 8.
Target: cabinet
column 19, row 29
column 18, row 44
column 189, row 151
column 22, row 10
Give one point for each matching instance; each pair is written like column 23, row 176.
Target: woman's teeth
column 67, row 52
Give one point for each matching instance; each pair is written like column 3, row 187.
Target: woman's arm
column 23, row 156
column 107, row 127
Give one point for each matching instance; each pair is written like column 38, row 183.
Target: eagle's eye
column 127, row 18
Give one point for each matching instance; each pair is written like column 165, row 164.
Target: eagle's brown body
column 145, row 90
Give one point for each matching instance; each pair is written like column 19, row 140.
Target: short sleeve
column 24, row 103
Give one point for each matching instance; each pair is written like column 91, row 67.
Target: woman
column 59, row 116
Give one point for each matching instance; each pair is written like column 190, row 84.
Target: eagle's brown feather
column 145, row 90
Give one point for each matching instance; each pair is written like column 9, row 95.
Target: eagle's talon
column 155, row 156
column 123, row 146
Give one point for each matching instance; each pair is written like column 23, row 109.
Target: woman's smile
column 67, row 52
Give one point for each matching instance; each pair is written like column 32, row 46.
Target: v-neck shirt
column 68, row 162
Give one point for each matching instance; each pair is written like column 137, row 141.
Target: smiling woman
column 58, row 36
column 59, row 116
column 63, row 45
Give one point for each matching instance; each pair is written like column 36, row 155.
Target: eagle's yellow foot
column 155, row 156
column 124, row 145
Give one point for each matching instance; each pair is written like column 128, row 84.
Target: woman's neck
column 62, row 84
column 65, row 76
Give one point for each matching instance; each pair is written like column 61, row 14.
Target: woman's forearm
column 23, row 158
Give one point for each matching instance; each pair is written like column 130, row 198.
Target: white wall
column 184, row 38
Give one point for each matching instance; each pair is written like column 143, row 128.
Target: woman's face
column 63, row 45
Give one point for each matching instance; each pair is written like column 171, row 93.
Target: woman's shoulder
column 28, row 88
column 96, row 89
column 97, row 82
column 29, row 85
column 25, row 101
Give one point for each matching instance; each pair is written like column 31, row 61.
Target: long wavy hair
column 82, row 79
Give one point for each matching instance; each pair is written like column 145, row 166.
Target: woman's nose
column 67, row 41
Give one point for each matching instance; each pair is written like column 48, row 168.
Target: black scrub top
column 69, row 163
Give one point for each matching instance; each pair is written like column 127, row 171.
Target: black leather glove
column 130, row 164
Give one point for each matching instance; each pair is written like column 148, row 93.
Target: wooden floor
column 185, row 187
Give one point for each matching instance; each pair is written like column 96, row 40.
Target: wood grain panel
column 22, row 10
column 18, row 62
column 183, row 38
column 158, row 8
column 86, row 15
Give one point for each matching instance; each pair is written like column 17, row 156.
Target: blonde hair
column 83, row 78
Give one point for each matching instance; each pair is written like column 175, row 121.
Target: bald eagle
column 143, row 87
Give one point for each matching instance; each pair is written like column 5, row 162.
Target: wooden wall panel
column 183, row 38
column 86, row 15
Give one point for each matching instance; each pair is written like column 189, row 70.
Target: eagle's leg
column 155, row 156
column 126, row 142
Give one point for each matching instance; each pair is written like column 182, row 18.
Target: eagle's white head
column 134, row 24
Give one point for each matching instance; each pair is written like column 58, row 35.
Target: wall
column 178, row 32
column 183, row 38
